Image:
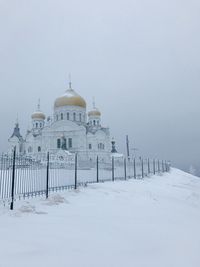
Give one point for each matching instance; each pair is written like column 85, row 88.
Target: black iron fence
column 24, row 177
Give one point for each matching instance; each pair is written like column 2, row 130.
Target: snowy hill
column 153, row 222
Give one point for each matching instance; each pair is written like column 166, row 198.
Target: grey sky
column 140, row 59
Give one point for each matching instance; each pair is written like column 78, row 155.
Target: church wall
column 100, row 145
column 15, row 142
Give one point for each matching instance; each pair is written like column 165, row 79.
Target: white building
column 70, row 130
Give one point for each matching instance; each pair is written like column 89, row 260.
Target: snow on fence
column 24, row 177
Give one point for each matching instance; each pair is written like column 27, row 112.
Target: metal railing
column 23, row 177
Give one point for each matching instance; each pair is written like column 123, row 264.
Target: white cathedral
column 70, row 130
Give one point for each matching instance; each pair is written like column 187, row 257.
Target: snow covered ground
column 151, row 222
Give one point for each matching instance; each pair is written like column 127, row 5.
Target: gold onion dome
column 38, row 114
column 94, row 112
column 70, row 98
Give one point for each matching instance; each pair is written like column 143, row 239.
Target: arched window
column 39, row 149
column 70, row 142
column 90, row 146
column 101, row 146
column 57, row 117
column 80, row 117
column 64, row 143
column 74, row 116
column 40, row 125
column 67, row 115
column 30, row 149
column 58, row 143
column 36, row 125
column 61, row 116
column 94, row 122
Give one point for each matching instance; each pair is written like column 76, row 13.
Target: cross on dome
column 94, row 112
column 38, row 114
column 93, row 103
column 70, row 82
column 38, row 105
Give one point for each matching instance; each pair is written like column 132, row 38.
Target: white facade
column 70, row 130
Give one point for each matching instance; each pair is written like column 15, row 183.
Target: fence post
column 134, row 166
column 97, row 169
column 149, row 170
column 125, row 168
column 142, row 162
column 47, row 180
column 75, row 177
column 158, row 166
column 13, row 180
column 163, row 170
column 113, row 169
column 154, row 167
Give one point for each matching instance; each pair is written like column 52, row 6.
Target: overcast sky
column 140, row 59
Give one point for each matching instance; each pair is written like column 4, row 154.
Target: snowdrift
column 150, row 222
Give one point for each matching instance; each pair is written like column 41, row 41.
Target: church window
column 36, row 125
column 57, row 117
column 70, row 142
column 30, row 149
column 58, row 143
column 101, row 146
column 94, row 122
column 80, row 117
column 67, row 115
column 97, row 122
column 74, row 116
column 40, row 125
column 90, row 146
column 61, row 116
column 64, row 143
column 39, row 149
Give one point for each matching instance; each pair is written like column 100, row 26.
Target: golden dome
column 94, row 112
column 38, row 115
column 70, row 98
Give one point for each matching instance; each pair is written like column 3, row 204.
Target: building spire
column 70, row 81
column 17, row 120
column 16, row 132
column 93, row 102
column 38, row 105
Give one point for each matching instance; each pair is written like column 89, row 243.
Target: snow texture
column 152, row 222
